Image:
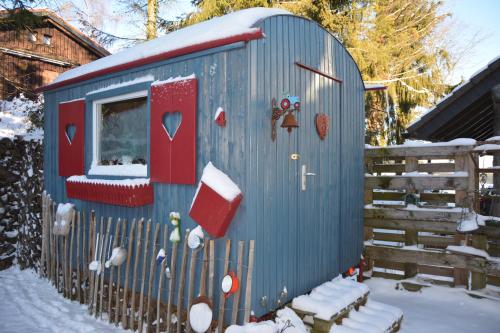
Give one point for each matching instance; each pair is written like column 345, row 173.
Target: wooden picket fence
column 402, row 241
column 132, row 303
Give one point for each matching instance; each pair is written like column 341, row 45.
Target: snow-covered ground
column 438, row 309
column 31, row 304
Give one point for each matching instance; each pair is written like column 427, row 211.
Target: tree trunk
column 151, row 24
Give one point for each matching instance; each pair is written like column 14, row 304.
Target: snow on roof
column 230, row 25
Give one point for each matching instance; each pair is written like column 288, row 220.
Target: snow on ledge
column 220, row 182
column 417, row 144
column 468, row 250
column 121, row 182
column 174, row 79
column 412, row 207
column 141, row 79
column 494, row 138
column 132, row 170
column 230, row 25
column 422, row 174
column 487, row 147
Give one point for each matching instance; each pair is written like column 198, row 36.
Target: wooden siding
column 22, row 74
column 301, row 238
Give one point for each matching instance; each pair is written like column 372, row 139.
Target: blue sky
column 472, row 16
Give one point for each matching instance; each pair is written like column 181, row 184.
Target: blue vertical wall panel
column 302, row 238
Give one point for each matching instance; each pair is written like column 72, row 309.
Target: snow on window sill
column 131, row 170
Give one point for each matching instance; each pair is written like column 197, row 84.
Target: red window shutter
column 71, row 134
column 173, row 152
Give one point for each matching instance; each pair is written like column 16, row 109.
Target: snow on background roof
column 229, row 25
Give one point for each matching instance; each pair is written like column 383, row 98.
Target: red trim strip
column 245, row 37
column 317, row 71
column 119, row 195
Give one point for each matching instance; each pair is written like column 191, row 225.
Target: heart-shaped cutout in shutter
column 70, row 132
column 172, row 122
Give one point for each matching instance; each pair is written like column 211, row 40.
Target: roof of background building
column 70, row 29
column 467, row 112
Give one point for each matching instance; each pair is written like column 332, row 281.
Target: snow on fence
column 421, row 202
column 78, row 266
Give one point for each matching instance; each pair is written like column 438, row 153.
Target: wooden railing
column 416, row 197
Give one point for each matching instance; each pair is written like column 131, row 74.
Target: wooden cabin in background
column 31, row 58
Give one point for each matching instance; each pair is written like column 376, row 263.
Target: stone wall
column 21, row 185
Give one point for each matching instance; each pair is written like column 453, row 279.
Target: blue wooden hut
column 290, row 137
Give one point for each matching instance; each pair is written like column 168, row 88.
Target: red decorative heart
column 322, row 125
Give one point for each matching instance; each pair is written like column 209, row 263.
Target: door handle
column 305, row 174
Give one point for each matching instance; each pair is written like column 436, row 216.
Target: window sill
column 130, row 170
column 124, row 192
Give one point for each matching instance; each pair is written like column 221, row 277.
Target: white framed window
column 32, row 36
column 47, row 39
column 119, row 135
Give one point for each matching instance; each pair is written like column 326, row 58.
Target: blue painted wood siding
column 301, row 238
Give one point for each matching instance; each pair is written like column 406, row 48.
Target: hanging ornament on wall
column 175, row 219
column 322, row 125
column 195, row 238
column 161, row 256
column 229, row 284
column 220, row 117
column 64, row 214
column 118, row 256
column 201, row 314
column 287, row 106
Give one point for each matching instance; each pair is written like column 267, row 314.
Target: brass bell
column 289, row 122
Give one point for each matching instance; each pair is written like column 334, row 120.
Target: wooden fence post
column 144, row 265
column 137, row 258
column 118, row 309
column 248, row 290
column 162, row 274
column 411, row 236
column 239, row 272
column 222, row 299
column 151, row 279
column 127, row 269
column 112, row 270
column 460, row 275
column 478, row 279
column 182, row 283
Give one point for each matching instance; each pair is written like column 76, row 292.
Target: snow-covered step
column 374, row 317
column 342, row 305
column 331, row 299
column 330, row 302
